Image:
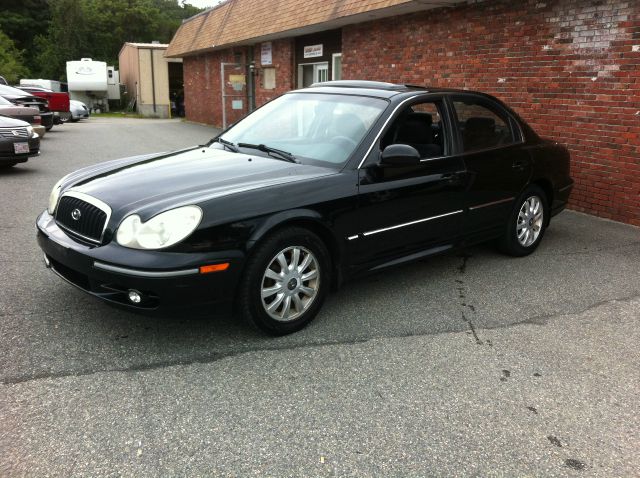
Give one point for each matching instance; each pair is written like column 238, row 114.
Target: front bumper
column 7, row 154
column 168, row 282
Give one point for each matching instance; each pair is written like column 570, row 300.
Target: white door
column 309, row 73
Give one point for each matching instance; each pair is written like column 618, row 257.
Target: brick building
column 571, row 68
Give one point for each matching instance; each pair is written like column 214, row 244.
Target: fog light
column 135, row 297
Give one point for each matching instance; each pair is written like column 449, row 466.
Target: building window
column 336, row 66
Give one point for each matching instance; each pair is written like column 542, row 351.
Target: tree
column 22, row 20
column 51, row 32
column 69, row 38
column 11, row 60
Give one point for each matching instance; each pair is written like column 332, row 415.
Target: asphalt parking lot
column 469, row 364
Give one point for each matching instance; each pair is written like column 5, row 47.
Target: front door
column 409, row 210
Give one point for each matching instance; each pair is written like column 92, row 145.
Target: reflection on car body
column 383, row 174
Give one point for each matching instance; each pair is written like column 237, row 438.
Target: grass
column 118, row 114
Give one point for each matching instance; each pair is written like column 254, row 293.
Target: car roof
column 376, row 88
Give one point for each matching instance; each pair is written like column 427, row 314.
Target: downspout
column 251, row 84
column 153, row 81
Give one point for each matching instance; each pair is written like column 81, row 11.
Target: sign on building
column 313, row 51
column 266, row 53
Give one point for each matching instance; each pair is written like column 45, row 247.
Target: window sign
column 266, row 56
column 237, row 82
column 236, row 104
column 313, row 51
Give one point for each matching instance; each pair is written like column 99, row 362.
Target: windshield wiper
column 271, row 151
column 227, row 144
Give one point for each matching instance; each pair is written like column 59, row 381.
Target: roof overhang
column 380, row 13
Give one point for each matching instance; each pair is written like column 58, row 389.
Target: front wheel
column 285, row 281
column 527, row 223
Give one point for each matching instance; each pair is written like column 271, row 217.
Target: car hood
column 148, row 185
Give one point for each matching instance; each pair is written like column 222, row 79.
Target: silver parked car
column 78, row 110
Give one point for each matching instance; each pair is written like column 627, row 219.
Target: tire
column 7, row 165
column 294, row 295
column 527, row 223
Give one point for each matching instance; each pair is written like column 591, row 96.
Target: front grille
column 9, row 133
column 81, row 218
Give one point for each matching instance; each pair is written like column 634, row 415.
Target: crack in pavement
column 199, row 359
column 214, row 357
column 465, row 256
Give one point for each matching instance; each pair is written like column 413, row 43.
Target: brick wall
column 282, row 60
column 202, row 96
column 203, row 101
column 571, row 68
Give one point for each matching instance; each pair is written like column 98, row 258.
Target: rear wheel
column 285, row 281
column 527, row 223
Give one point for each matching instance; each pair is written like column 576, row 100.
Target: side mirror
column 399, row 155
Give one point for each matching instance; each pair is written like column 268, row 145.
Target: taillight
column 37, row 119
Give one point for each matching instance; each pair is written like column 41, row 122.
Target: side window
column 482, row 127
column 421, row 126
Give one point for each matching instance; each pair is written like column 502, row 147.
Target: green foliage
column 53, row 32
column 22, row 20
column 11, row 62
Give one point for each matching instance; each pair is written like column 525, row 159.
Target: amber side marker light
column 214, row 268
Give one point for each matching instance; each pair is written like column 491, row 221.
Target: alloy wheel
column 530, row 221
column 290, row 283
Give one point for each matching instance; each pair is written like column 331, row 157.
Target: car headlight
column 54, row 196
column 161, row 231
column 30, row 131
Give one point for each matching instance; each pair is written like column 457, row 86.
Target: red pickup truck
column 58, row 102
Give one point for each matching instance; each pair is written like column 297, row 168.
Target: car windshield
column 4, row 102
column 314, row 128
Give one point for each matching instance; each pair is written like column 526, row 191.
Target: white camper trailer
column 93, row 83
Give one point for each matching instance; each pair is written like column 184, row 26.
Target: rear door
column 497, row 163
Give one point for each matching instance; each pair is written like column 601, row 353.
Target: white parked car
column 78, row 110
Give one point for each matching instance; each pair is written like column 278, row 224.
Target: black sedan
column 18, row 141
column 315, row 187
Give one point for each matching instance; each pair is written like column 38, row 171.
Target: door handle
column 451, row 177
column 518, row 164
